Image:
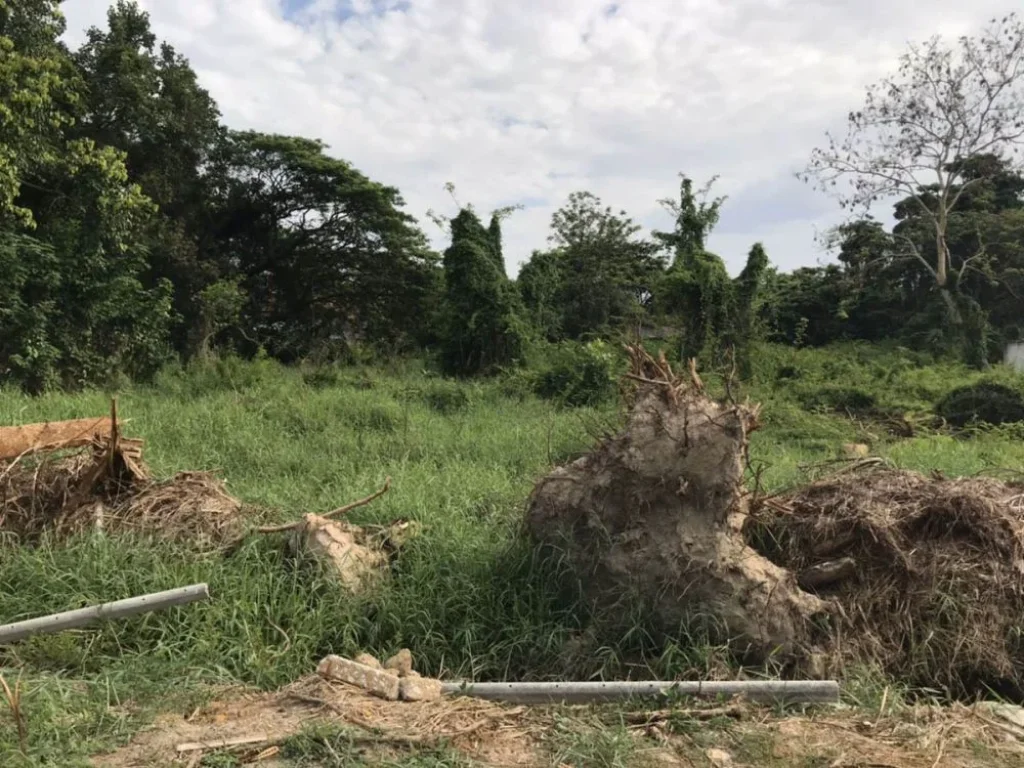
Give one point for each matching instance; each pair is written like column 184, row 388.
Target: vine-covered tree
column 484, row 329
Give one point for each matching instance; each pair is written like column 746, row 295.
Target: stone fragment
column 400, row 663
column 368, row 660
column 340, row 546
column 375, row 681
column 419, row 689
column 719, row 758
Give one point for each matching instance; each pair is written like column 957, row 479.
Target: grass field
column 469, row 598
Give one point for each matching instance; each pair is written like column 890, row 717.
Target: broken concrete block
column 368, row 660
column 419, row 689
column 375, row 681
column 400, row 663
column 340, row 546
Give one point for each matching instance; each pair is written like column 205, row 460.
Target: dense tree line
column 135, row 228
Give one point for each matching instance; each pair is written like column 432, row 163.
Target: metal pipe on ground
column 119, row 609
column 759, row 691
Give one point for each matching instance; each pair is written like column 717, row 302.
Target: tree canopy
column 137, row 228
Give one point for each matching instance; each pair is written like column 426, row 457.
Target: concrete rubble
column 394, row 680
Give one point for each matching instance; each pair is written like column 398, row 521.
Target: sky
column 525, row 101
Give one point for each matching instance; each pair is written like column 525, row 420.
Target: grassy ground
column 469, row 599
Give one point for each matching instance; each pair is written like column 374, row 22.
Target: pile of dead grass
column 66, row 494
column 927, row 573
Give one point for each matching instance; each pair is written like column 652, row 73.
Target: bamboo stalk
column 118, row 609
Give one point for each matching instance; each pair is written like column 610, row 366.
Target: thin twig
column 333, row 513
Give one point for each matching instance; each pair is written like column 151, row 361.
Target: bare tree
column 945, row 105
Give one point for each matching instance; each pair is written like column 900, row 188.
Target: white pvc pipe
column 118, row 609
column 761, row 691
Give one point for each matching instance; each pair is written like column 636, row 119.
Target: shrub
column 837, row 399
column 986, row 401
column 578, row 374
column 446, row 397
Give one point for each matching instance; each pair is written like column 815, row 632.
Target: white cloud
column 531, row 100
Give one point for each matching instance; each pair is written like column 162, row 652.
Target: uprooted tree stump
column 656, row 512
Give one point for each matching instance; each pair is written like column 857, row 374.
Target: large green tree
column 74, row 310
column 323, row 253
column 143, row 98
column 599, row 273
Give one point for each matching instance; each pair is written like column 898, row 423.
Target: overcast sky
column 525, row 101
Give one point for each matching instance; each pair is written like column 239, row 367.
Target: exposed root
column 931, row 586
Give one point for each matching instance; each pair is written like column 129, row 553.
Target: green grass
column 468, row 596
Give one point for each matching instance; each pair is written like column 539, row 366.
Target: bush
column 987, row 402
column 838, row 399
column 578, row 374
column 446, row 397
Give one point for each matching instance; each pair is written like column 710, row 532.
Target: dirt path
column 496, row 735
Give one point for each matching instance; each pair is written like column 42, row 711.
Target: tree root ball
column 656, row 512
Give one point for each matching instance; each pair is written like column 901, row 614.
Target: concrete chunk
column 367, row 660
column 371, row 680
column 400, row 663
column 419, row 689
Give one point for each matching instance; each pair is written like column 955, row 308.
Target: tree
column 607, row 272
column 541, row 285
column 911, row 139
column 323, row 253
column 483, row 324
column 34, row 89
column 695, row 292
column 144, row 99
column 71, row 253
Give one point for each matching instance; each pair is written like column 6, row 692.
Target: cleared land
column 468, row 596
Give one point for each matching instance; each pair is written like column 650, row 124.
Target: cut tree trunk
column 655, row 513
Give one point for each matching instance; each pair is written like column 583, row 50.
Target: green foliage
column 484, row 321
column 540, row 284
column 143, row 98
column 599, row 276
column 446, row 397
column 986, row 402
column 578, row 374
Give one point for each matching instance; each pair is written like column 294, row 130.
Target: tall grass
column 468, row 596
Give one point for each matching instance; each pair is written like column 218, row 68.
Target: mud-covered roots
column 925, row 576
column 655, row 512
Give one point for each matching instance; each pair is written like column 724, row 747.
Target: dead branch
column 334, row 513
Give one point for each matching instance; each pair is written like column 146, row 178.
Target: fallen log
column 52, row 436
column 118, row 609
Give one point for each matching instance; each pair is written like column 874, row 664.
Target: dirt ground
column 492, row 734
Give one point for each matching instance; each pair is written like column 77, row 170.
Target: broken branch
column 334, row 513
